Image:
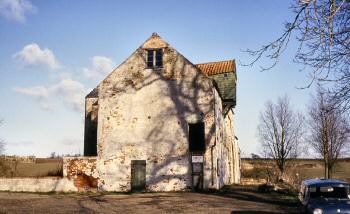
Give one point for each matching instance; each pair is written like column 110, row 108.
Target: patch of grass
column 305, row 168
column 254, row 173
column 41, row 169
column 284, row 196
column 4, row 168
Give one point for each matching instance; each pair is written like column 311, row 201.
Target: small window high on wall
column 196, row 137
column 155, row 58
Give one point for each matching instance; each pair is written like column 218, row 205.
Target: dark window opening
column 159, row 58
column 150, row 57
column 196, row 137
column 217, row 167
column 90, row 132
column 155, row 58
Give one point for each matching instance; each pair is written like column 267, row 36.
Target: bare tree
column 2, row 144
column 53, row 155
column 280, row 132
column 3, row 166
column 322, row 30
column 329, row 130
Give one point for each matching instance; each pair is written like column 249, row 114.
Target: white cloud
column 72, row 92
column 39, row 92
column 100, row 67
column 16, row 9
column 69, row 91
column 32, row 54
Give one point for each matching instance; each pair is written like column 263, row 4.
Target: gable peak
column 155, row 34
column 155, row 41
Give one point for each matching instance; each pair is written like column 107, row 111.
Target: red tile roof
column 212, row 68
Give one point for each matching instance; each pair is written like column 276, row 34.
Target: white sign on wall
column 197, row 159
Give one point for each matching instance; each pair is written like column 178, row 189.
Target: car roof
column 324, row 182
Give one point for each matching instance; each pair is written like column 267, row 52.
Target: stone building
column 161, row 123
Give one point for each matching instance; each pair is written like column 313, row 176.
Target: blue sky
column 53, row 52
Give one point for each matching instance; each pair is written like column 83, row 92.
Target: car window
column 312, row 189
column 329, row 192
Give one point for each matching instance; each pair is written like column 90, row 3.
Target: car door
column 303, row 198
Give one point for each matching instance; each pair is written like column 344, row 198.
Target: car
column 324, row 196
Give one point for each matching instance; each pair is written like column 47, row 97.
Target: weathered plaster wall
column 236, row 167
column 232, row 146
column 144, row 115
column 219, row 158
column 82, row 171
column 49, row 184
column 222, row 157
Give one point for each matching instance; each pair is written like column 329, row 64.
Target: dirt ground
column 237, row 202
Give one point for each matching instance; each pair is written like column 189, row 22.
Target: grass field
column 251, row 168
column 303, row 168
column 42, row 167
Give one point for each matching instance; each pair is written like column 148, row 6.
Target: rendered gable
column 144, row 114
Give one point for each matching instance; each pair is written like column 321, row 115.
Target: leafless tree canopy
column 329, row 130
column 322, row 29
column 280, row 131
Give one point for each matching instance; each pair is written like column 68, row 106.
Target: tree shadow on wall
column 191, row 97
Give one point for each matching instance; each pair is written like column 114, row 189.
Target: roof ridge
column 219, row 67
column 215, row 62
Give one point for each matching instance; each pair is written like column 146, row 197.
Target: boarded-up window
column 196, row 137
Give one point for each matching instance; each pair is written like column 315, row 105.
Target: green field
column 301, row 168
column 41, row 168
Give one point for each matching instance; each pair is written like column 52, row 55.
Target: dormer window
column 155, row 58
